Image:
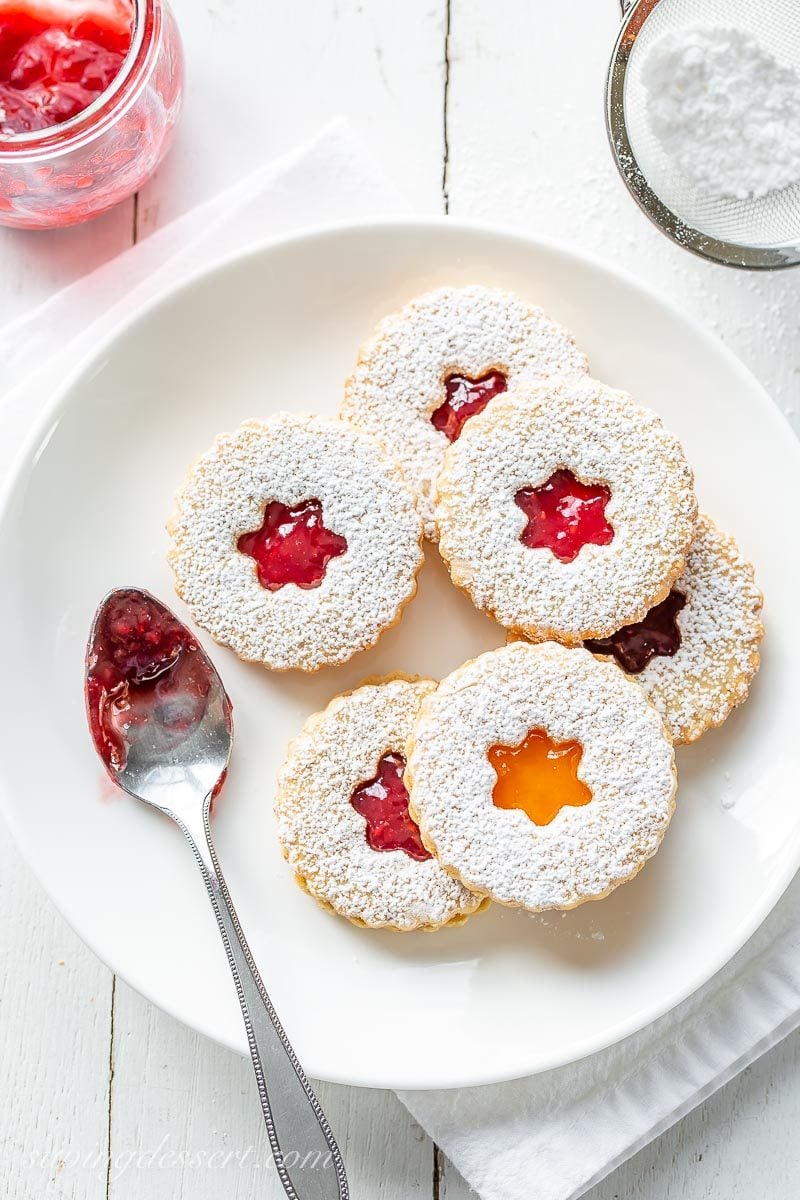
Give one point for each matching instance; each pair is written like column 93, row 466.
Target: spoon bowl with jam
column 161, row 722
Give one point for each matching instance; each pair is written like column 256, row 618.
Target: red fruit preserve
column 383, row 802
column 292, row 545
column 89, row 94
column 50, row 72
column 465, row 398
column 143, row 668
column 564, row 515
column 656, row 636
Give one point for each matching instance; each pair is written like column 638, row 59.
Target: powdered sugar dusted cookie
column 696, row 653
column 440, row 360
column 565, row 510
column 541, row 776
column 295, row 541
column 343, row 818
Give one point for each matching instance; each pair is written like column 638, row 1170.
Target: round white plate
column 507, row 994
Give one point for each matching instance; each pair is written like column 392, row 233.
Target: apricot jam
column 539, row 776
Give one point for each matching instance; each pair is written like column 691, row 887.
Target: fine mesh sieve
column 761, row 233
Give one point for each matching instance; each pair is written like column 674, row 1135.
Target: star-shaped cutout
column 465, row 398
column 564, row 515
column 539, row 776
column 292, row 545
column 657, row 635
column 383, row 802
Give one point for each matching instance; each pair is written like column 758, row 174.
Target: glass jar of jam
column 90, row 91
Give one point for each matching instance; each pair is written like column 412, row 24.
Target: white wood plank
column 527, row 146
column 385, row 71
column 264, row 76
column 740, row 1144
column 33, row 265
column 451, row 1185
column 176, row 1094
column 55, row 1009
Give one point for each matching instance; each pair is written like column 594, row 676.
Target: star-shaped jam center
column 383, row 802
column 564, row 515
column 464, row 398
column 539, row 776
column 292, row 545
column 657, row 635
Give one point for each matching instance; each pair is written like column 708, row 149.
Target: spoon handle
column 307, row 1158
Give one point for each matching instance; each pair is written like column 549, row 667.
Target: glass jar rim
column 75, row 130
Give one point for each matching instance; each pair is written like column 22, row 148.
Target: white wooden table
column 485, row 108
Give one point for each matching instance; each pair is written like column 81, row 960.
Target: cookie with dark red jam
column 439, row 362
column 343, row 817
column 295, row 541
column 565, row 510
column 695, row 654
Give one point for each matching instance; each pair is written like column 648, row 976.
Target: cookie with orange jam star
column 439, row 361
column 540, row 776
column 343, row 819
column 565, row 510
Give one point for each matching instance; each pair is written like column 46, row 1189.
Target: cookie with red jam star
column 695, row 654
column 343, row 819
column 295, row 541
column 565, row 510
column 540, row 776
column 440, row 360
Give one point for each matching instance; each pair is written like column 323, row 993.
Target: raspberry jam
column 90, row 93
column 292, row 546
column 657, row 635
column 143, row 667
column 54, row 64
column 383, row 801
column 464, row 398
column 539, row 776
column 564, row 515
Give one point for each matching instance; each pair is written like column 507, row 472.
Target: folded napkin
column 555, row 1134
column 332, row 178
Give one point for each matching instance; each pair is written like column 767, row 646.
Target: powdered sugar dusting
column 725, row 110
column 720, row 630
column 628, row 763
column 293, row 458
column 399, row 380
column 322, row 835
column 601, row 436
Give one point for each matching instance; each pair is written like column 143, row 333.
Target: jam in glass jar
column 90, row 91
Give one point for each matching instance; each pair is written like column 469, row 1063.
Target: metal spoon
column 161, row 721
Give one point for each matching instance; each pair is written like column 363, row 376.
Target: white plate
column 508, row 994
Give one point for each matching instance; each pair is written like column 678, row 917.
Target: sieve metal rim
column 729, row 254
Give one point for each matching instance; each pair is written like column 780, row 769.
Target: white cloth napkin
column 553, row 1135
column 331, row 178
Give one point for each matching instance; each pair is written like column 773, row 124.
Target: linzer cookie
column 441, row 360
column 540, row 776
column 565, row 510
column 695, row 653
column 295, row 541
column 343, row 819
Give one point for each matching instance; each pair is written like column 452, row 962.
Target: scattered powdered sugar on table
column 726, row 110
